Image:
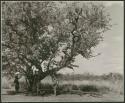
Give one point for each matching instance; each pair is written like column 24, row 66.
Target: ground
column 110, row 97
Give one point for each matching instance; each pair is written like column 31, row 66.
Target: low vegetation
column 82, row 83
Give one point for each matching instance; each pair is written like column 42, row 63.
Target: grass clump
column 88, row 88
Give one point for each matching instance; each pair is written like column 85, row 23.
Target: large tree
column 48, row 35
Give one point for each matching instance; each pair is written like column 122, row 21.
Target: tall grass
column 101, row 84
column 68, row 88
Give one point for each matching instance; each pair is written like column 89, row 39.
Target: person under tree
column 16, row 82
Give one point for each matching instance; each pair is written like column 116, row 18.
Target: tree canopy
column 48, row 36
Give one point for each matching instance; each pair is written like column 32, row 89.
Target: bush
column 75, row 87
column 88, row 88
column 46, row 88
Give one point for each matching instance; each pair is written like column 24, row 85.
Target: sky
column 111, row 49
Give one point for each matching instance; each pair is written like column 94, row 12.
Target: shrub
column 88, row 88
column 46, row 88
column 75, row 87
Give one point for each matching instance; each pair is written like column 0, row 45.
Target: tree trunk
column 34, row 80
column 55, row 90
column 30, row 86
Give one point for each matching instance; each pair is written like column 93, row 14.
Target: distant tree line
column 87, row 76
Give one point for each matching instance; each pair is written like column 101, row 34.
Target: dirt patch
column 63, row 98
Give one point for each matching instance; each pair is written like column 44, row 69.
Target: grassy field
column 104, row 89
column 64, row 98
column 89, row 83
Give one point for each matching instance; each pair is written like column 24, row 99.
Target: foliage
column 42, row 33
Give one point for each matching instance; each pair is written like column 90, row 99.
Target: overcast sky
column 111, row 49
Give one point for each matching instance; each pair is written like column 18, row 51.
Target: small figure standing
column 16, row 82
